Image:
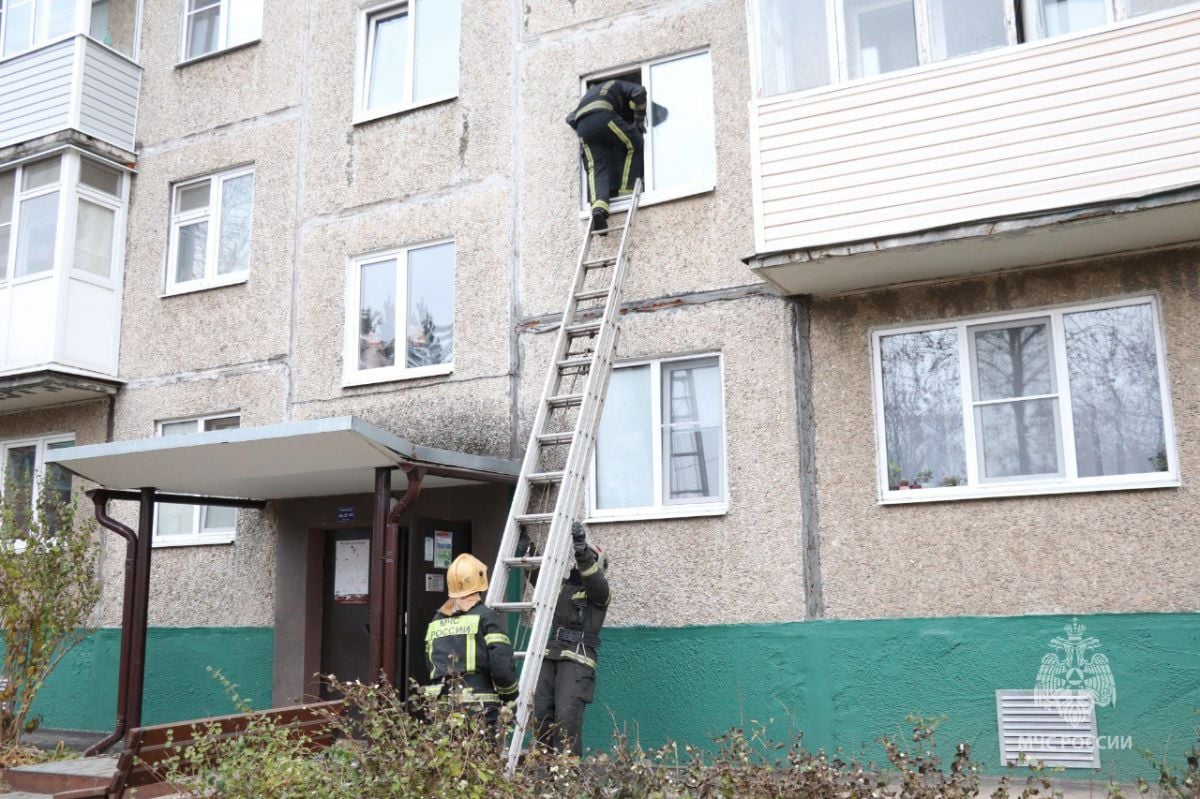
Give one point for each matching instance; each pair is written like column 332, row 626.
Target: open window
column 680, row 141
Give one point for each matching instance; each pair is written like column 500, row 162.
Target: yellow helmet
column 467, row 574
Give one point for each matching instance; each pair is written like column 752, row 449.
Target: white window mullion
column 656, row 424
column 212, row 246
column 839, row 39
column 1066, row 419
column 410, row 57
column 648, row 136
column 400, row 359
column 971, row 442
column 921, row 13
column 223, row 25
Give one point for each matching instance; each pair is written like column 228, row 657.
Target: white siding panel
column 1088, row 119
column 110, row 94
column 35, row 93
column 90, row 338
column 31, row 323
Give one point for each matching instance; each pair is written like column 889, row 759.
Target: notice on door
column 443, row 549
column 351, row 563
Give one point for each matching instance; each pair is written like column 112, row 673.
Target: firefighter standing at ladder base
column 610, row 121
column 567, row 682
column 466, row 640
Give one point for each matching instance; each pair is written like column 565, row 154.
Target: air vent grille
column 1056, row 728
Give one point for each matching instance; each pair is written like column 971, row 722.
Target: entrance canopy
column 320, row 457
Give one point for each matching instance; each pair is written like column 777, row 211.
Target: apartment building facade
column 904, row 385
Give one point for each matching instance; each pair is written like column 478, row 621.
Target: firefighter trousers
column 564, row 690
column 612, row 156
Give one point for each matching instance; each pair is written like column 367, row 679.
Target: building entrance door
column 431, row 546
column 345, row 616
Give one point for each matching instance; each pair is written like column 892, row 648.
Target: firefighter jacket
column 471, row 644
column 626, row 100
column 579, row 614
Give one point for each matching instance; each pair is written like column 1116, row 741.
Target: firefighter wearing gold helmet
column 466, row 641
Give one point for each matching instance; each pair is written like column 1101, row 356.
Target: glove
column 578, row 537
column 524, row 545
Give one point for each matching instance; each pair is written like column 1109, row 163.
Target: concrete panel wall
column 1115, row 551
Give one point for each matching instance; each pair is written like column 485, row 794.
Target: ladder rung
column 585, row 328
column 520, row 655
column 575, row 363
column 513, row 607
column 531, row 562
column 565, row 400
column 599, row 294
column 600, row 263
column 554, row 439
column 545, row 477
column 533, row 518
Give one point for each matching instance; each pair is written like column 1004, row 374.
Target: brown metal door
column 345, row 616
column 432, row 544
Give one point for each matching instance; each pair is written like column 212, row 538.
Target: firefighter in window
column 610, row 120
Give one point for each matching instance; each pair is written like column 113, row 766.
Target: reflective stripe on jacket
column 581, row 606
column 626, row 100
column 473, row 645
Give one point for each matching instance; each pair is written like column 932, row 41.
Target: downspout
column 395, row 579
column 100, row 501
column 383, row 490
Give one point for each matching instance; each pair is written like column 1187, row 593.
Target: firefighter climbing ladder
column 554, row 472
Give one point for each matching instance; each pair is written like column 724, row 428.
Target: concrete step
column 26, row 795
column 62, row 775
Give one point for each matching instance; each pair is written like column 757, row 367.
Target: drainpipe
column 141, row 607
column 383, row 490
column 99, row 499
column 395, row 580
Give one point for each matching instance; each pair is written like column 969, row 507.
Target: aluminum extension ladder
column 554, row 472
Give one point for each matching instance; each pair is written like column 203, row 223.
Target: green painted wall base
column 82, row 693
column 847, row 683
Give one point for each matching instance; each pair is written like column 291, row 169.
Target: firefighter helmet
column 466, row 575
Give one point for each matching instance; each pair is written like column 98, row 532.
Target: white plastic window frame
column 223, row 20
column 1069, row 482
column 199, row 536
column 71, row 191
column 40, row 30
column 650, row 194
column 663, row 508
column 1116, row 11
column 211, row 214
column 351, row 374
column 368, row 19
column 41, row 444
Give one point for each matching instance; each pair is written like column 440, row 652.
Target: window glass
column 245, row 21
column 430, row 337
column 20, row 463
column 377, row 315
column 624, row 472
column 203, row 27
column 1116, row 399
column 682, row 122
column 58, row 480
column 40, row 174
column 389, row 59
column 794, row 44
column 35, row 237
column 691, row 394
column 1013, row 361
column 922, row 409
column 98, row 26
column 435, row 65
column 100, row 177
column 1066, row 16
column 18, row 28
column 237, row 202
column 881, row 36
column 61, row 18
column 7, row 186
column 192, row 250
column 193, row 198
column 1150, row 6
column 188, row 520
column 94, row 238
column 962, row 27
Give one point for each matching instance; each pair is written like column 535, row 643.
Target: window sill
column 388, row 375
column 196, row 286
column 655, row 198
column 363, row 117
column 654, row 514
column 217, row 53
column 197, row 540
column 915, row 496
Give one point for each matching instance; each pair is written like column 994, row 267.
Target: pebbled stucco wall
column 1108, row 551
column 745, row 566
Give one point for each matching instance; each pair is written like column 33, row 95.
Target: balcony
column 62, row 69
column 61, row 251
column 1066, row 148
